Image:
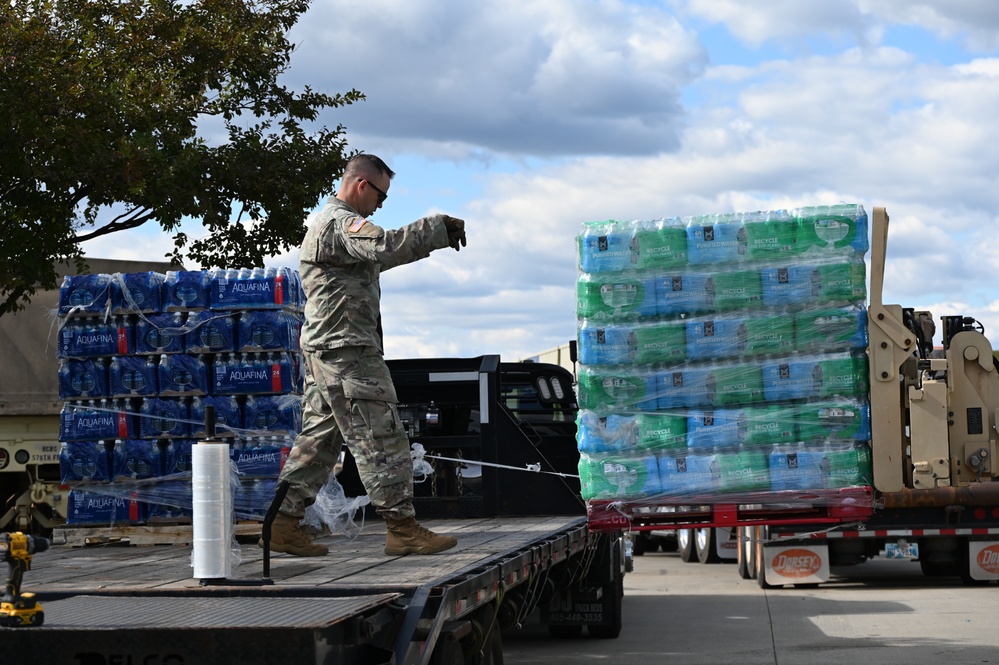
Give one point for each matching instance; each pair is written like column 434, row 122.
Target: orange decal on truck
column 988, row 559
column 797, row 563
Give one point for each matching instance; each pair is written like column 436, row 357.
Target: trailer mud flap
column 983, row 559
column 796, row 564
column 578, row 607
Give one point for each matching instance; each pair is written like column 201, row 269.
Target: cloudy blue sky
column 529, row 118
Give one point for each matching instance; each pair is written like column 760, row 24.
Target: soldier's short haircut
column 364, row 166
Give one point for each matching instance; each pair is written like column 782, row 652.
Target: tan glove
column 455, row 232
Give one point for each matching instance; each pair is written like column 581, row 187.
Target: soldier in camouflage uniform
column 349, row 395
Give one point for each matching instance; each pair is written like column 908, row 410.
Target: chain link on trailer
column 433, row 480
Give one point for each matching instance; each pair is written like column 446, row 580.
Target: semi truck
column 933, row 496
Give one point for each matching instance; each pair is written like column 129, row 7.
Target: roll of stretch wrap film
column 212, row 499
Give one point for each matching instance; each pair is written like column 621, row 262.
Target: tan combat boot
column 409, row 537
column 287, row 536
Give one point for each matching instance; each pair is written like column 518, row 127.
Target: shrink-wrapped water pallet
column 723, row 358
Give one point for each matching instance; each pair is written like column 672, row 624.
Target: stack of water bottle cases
column 141, row 357
column 723, row 357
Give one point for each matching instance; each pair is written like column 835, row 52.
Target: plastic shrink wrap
column 141, row 357
column 723, row 357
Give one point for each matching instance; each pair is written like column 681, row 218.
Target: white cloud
column 974, row 22
column 140, row 246
column 511, row 76
column 756, row 23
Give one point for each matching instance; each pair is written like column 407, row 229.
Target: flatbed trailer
column 131, row 605
column 525, row 551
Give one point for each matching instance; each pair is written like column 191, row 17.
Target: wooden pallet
column 128, row 534
column 850, row 504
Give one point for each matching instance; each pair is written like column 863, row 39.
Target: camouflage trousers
column 350, row 398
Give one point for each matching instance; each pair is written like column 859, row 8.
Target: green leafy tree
column 115, row 113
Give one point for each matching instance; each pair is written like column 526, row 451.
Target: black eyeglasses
column 381, row 195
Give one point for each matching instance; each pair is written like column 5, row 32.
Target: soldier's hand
column 455, row 232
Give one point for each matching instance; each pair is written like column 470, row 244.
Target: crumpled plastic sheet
column 422, row 469
column 336, row 513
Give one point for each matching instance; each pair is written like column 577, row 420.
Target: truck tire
column 940, row 557
column 760, row 534
column 751, row 552
column 561, row 632
column 447, row 651
column 639, row 545
column 492, row 650
column 705, row 542
column 685, row 545
column 744, row 555
column 613, row 595
column 938, row 568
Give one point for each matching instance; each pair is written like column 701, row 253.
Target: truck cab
column 484, row 423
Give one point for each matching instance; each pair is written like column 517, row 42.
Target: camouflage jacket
column 340, row 262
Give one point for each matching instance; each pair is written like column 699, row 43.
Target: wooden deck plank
column 166, row 534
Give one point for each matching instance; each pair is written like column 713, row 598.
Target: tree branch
column 129, row 220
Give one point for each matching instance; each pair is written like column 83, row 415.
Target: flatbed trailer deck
column 114, row 604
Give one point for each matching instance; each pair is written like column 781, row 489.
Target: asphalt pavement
column 880, row 612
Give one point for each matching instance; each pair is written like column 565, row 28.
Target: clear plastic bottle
column 64, row 294
column 605, row 247
column 287, row 371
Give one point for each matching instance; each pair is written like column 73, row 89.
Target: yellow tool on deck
column 17, row 609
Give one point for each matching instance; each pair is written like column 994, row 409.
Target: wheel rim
column 702, row 539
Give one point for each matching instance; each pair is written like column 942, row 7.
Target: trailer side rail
column 435, row 605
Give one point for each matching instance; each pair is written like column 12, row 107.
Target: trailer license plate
column 901, row 551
